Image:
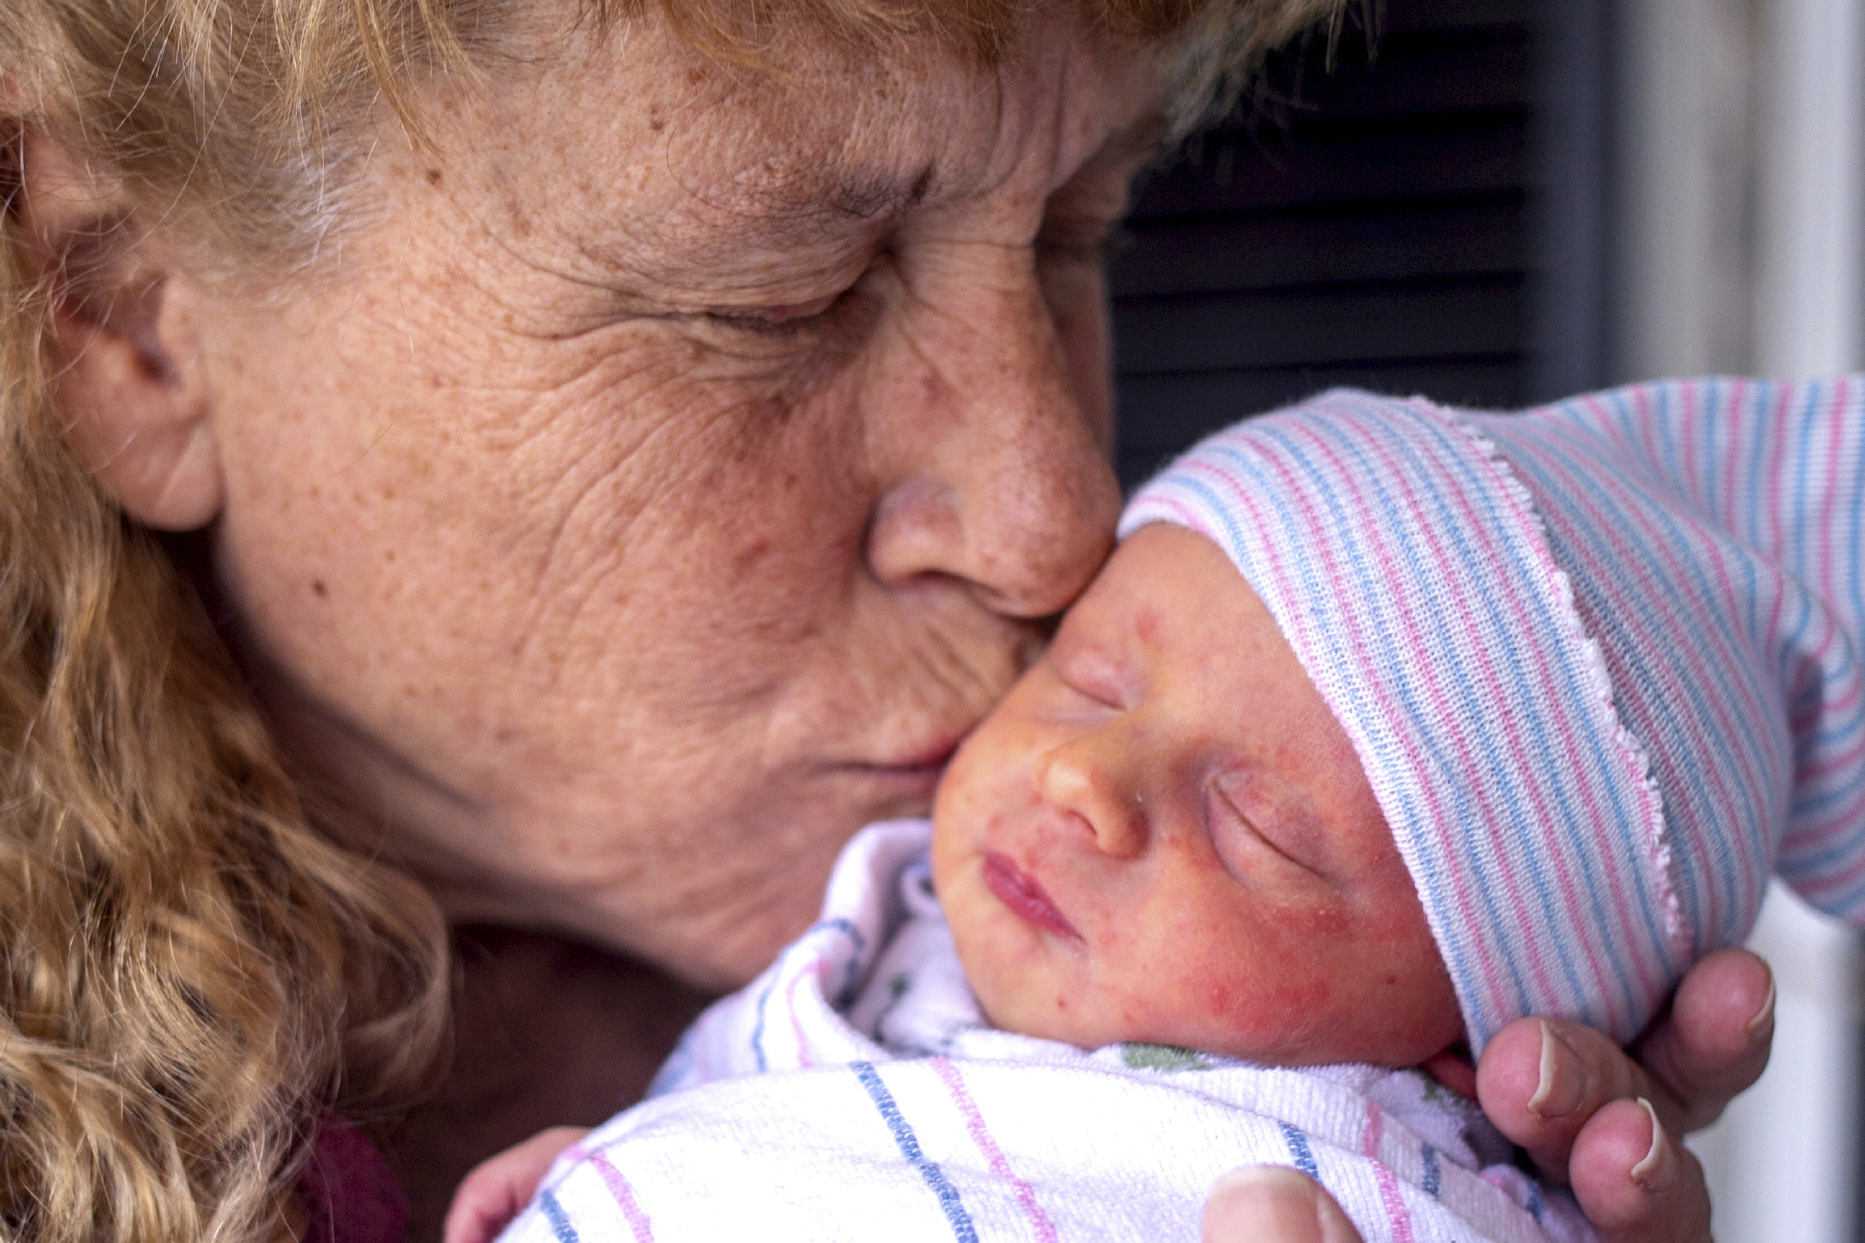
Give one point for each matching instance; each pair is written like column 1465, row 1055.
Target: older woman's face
column 673, row 467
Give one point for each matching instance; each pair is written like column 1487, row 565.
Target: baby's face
column 1162, row 834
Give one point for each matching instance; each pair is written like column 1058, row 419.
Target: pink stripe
column 1774, row 473
column 1396, row 1212
column 805, row 1056
column 624, row 1197
column 993, row 1155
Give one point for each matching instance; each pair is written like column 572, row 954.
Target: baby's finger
column 1273, row 1204
column 482, row 1206
column 1715, row 1042
column 1540, row 1080
column 1635, row 1182
column 495, row 1190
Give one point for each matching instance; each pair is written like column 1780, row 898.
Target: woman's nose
column 991, row 431
column 1076, row 778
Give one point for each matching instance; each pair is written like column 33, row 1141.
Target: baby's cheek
column 1247, row 980
column 1256, row 1011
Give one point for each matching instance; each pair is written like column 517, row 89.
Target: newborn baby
column 1163, row 834
column 1384, row 725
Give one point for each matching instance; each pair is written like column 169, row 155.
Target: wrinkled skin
column 651, row 485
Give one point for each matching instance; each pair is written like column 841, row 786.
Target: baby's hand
column 491, row 1195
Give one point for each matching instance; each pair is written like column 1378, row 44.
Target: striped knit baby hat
column 1600, row 661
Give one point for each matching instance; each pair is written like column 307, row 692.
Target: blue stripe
column 1536, row 1206
column 1303, row 1156
column 1714, row 503
column 909, row 1146
column 559, row 1220
column 1799, row 553
column 800, row 946
column 1433, row 1176
column 860, row 944
column 1764, row 403
column 757, row 1027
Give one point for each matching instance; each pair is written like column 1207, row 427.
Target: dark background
column 1414, row 208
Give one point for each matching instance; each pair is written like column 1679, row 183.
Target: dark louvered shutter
column 1366, row 223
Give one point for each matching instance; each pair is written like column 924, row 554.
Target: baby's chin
column 1083, row 1027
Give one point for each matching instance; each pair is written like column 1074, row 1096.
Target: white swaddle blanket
column 854, row 1091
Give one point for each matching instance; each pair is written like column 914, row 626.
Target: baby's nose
column 1072, row 779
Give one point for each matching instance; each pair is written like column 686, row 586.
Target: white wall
column 1737, row 232
column 1783, row 1161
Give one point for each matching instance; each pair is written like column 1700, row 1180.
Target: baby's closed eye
column 1254, row 812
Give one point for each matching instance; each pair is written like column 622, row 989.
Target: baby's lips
column 1020, row 892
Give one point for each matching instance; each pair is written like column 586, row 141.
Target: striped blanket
column 855, row 1092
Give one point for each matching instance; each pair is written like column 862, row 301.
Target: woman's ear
column 128, row 375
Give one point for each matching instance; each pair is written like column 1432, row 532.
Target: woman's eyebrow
column 811, row 207
column 797, row 223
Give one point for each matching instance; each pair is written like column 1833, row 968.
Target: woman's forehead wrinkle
column 692, row 187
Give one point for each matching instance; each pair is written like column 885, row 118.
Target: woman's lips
column 1024, row 896
column 930, row 757
column 912, row 777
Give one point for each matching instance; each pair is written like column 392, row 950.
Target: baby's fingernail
column 1561, row 1087
column 1764, row 1017
column 1658, row 1170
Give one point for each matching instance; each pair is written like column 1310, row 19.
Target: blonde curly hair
column 194, row 975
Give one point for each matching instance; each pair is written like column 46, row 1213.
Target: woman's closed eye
column 781, row 319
